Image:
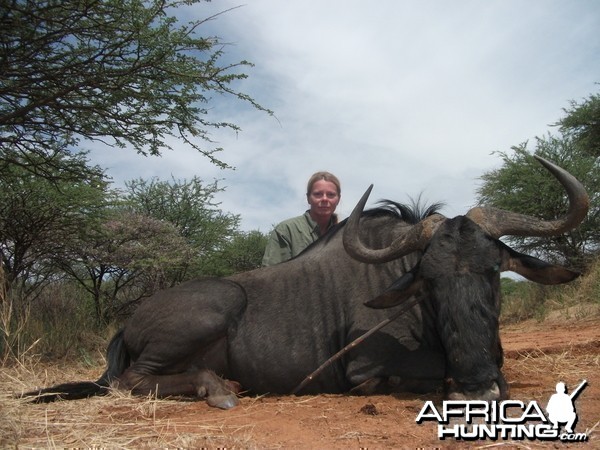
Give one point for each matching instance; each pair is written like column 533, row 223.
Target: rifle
column 575, row 393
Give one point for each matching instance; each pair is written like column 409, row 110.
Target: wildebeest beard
column 468, row 330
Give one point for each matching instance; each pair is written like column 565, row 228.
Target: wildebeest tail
column 117, row 361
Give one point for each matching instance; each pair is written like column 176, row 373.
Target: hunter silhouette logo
column 509, row 419
column 561, row 408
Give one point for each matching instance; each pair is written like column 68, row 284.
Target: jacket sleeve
column 278, row 249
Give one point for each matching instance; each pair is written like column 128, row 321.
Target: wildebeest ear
column 406, row 286
column 535, row 269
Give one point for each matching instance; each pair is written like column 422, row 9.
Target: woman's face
column 323, row 198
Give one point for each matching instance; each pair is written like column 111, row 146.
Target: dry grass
column 570, row 366
column 115, row 421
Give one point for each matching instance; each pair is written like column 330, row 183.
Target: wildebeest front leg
column 381, row 364
column 204, row 383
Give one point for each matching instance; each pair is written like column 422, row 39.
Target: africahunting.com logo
column 510, row 419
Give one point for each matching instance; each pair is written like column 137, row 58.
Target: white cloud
column 409, row 95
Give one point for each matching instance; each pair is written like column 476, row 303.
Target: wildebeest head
column 459, row 273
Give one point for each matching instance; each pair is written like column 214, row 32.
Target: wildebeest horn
column 495, row 222
column 414, row 239
column 498, row 222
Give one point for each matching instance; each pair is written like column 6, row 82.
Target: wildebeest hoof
column 219, row 392
column 223, row 401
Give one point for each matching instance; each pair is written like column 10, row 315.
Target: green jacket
column 290, row 238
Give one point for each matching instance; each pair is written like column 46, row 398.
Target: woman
column 291, row 236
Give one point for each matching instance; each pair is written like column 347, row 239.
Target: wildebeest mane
column 411, row 213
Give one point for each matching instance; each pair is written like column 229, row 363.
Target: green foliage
column 40, row 216
column 242, row 253
column 128, row 74
column 191, row 207
column 522, row 185
column 583, row 123
column 118, row 246
column 123, row 72
column 245, row 251
column 123, row 260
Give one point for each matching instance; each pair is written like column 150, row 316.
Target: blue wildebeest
column 267, row 329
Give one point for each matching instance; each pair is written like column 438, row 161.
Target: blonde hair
column 317, row 176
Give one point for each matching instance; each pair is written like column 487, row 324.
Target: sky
column 411, row 96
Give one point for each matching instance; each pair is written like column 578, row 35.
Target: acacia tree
column 191, row 207
column 124, row 259
column 243, row 252
column 583, row 123
column 123, row 72
column 40, row 216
